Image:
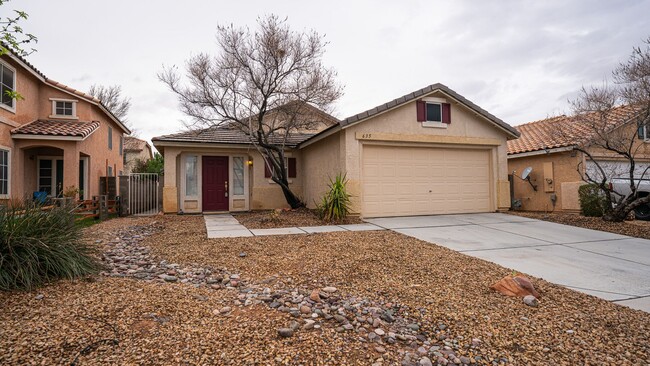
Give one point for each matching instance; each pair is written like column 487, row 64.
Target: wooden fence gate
column 143, row 193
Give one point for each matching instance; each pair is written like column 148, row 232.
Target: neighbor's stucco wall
column 400, row 126
column 563, row 173
column 36, row 104
column 321, row 161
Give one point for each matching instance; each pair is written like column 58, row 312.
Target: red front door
column 215, row 183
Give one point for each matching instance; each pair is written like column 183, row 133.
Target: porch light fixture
column 249, row 162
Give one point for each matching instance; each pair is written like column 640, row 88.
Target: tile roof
column 134, row 144
column 545, row 134
column 424, row 91
column 227, row 135
column 57, row 128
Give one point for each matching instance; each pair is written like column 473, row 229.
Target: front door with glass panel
column 50, row 176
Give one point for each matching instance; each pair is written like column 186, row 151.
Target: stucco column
column 170, row 190
column 71, row 167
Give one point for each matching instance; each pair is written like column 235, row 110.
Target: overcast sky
column 520, row 60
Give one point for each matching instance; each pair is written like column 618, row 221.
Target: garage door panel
column 400, row 181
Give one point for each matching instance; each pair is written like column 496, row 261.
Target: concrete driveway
column 610, row 266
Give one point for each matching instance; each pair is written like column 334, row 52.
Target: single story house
column 557, row 168
column 53, row 139
column 135, row 150
column 431, row 151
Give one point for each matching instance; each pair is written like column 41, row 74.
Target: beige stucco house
column 558, row 169
column 429, row 152
column 135, row 150
column 54, row 137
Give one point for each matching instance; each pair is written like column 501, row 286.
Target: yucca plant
column 335, row 204
column 38, row 246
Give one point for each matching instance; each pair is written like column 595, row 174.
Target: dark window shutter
column 421, row 107
column 446, row 113
column 641, row 132
column 267, row 171
column 292, row 167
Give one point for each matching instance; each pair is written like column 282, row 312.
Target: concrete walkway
column 610, row 266
column 226, row 226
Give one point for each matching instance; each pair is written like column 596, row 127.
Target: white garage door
column 402, row 181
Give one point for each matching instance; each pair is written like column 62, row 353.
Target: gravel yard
column 635, row 228
column 442, row 294
column 292, row 218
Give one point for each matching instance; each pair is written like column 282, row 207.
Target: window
column 238, row 175
column 4, row 172
column 121, row 145
column 289, row 163
column 64, row 108
column 191, row 176
column 8, row 85
column 110, row 171
column 433, row 111
column 50, row 176
column 643, row 133
column 110, row 138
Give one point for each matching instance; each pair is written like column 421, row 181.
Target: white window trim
column 198, row 176
column 2, row 105
column 59, row 116
column 433, row 124
column 231, row 186
column 646, row 138
column 8, row 150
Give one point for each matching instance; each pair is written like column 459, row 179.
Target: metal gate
column 143, row 193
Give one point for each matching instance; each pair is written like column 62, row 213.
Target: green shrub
column 592, row 200
column 335, row 204
column 38, row 246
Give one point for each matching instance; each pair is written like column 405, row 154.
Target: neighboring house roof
column 543, row 134
column 226, row 135
column 135, row 144
column 422, row 92
column 77, row 129
column 89, row 98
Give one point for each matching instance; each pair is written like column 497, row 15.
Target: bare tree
column 12, row 35
column 612, row 121
column 265, row 83
column 111, row 97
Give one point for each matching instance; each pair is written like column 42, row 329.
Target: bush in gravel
column 592, row 202
column 38, row 245
column 335, row 204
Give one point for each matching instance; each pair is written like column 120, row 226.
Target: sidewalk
column 226, row 226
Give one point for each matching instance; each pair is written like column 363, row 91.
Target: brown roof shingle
column 545, row 134
column 225, row 135
column 424, row 91
column 57, row 128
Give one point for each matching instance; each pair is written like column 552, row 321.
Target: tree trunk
column 291, row 198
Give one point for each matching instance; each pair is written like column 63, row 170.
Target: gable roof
column 543, row 134
column 134, row 144
column 227, row 135
column 74, row 129
column 423, row 92
column 62, row 87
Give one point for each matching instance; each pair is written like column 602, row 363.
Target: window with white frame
column 64, row 108
column 238, row 176
column 191, row 176
column 8, row 86
column 434, row 112
column 4, row 172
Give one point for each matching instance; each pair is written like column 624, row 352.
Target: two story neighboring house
column 54, row 138
column 135, row 150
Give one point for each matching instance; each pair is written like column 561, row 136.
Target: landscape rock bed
column 382, row 324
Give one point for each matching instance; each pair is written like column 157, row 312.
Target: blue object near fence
column 40, row 197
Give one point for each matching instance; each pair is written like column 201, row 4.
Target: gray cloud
column 521, row 60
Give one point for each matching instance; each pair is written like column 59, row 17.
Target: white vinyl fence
column 143, row 193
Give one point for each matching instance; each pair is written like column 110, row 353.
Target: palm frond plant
column 39, row 245
column 335, row 204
